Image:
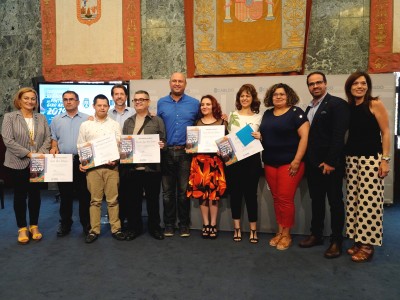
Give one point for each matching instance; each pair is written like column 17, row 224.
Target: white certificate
column 233, row 150
column 98, row 152
column 140, row 149
column 201, row 139
column 50, row 168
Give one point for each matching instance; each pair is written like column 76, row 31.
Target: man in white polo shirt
column 102, row 180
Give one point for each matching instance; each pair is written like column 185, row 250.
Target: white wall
column 225, row 89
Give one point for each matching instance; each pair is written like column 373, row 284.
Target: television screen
column 50, row 96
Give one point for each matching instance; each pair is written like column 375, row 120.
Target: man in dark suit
column 329, row 119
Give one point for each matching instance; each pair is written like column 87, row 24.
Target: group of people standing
column 295, row 142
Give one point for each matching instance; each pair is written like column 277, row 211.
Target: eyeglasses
column 311, row 84
column 140, row 100
column 278, row 95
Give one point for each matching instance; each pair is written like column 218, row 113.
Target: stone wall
column 338, row 40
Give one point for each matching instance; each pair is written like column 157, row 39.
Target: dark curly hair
column 292, row 97
column 255, row 103
column 349, row 83
column 216, row 107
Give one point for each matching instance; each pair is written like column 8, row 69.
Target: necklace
column 31, row 128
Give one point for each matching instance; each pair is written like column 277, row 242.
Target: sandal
column 23, row 237
column 35, row 233
column 284, row 243
column 213, row 232
column 354, row 249
column 205, row 232
column 275, row 240
column 253, row 238
column 237, row 235
column 365, row 254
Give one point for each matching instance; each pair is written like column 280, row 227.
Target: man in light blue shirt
column 121, row 112
column 64, row 135
column 178, row 111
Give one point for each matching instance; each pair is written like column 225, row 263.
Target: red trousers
column 283, row 189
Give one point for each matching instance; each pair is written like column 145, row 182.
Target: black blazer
column 326, row 138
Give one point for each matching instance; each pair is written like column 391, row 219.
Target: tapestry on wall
column 384, row 49
column 91, row 40
column 248, row 36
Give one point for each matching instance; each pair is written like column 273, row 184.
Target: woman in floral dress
column 207, row 176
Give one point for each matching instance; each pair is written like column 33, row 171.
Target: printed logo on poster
column 88, row 11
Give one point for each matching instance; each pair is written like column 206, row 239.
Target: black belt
column 177, row 147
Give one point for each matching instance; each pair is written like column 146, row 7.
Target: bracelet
column 386, row 158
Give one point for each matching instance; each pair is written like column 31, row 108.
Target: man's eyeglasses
column 311, row 84
column 140, row 100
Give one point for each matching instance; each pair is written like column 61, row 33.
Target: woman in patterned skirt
column 367, row 164
column 207, row 176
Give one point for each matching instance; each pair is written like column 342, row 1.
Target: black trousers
column 134, row 186
column 320, row 187
column 68, row 191
column 242, row 182
column 23, row 189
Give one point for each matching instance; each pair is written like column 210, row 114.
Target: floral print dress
column 207, row 180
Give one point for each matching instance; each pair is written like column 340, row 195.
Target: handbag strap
column 146, row 120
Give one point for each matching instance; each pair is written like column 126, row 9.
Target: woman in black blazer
column 25, row 132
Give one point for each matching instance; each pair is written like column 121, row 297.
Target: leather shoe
column 91, row 237
column 311, row 241
column 334, row 250
column 119, row 235
column 157, row 234
column 63, row 230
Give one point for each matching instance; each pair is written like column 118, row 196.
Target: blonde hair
column 18, row 96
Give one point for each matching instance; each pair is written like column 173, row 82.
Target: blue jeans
column 175, row 166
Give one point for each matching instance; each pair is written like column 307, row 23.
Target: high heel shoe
column 237, row 235
column 253, row 238
column 205, row 232
column 35, row 233
column 23, row 237
column 364, row 254
column 354, row 249
column 213, row 232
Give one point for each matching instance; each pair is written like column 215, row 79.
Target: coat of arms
column 88, row 11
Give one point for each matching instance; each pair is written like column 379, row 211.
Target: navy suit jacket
column 326, row 139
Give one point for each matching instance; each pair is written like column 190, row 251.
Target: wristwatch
column 386, row 157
